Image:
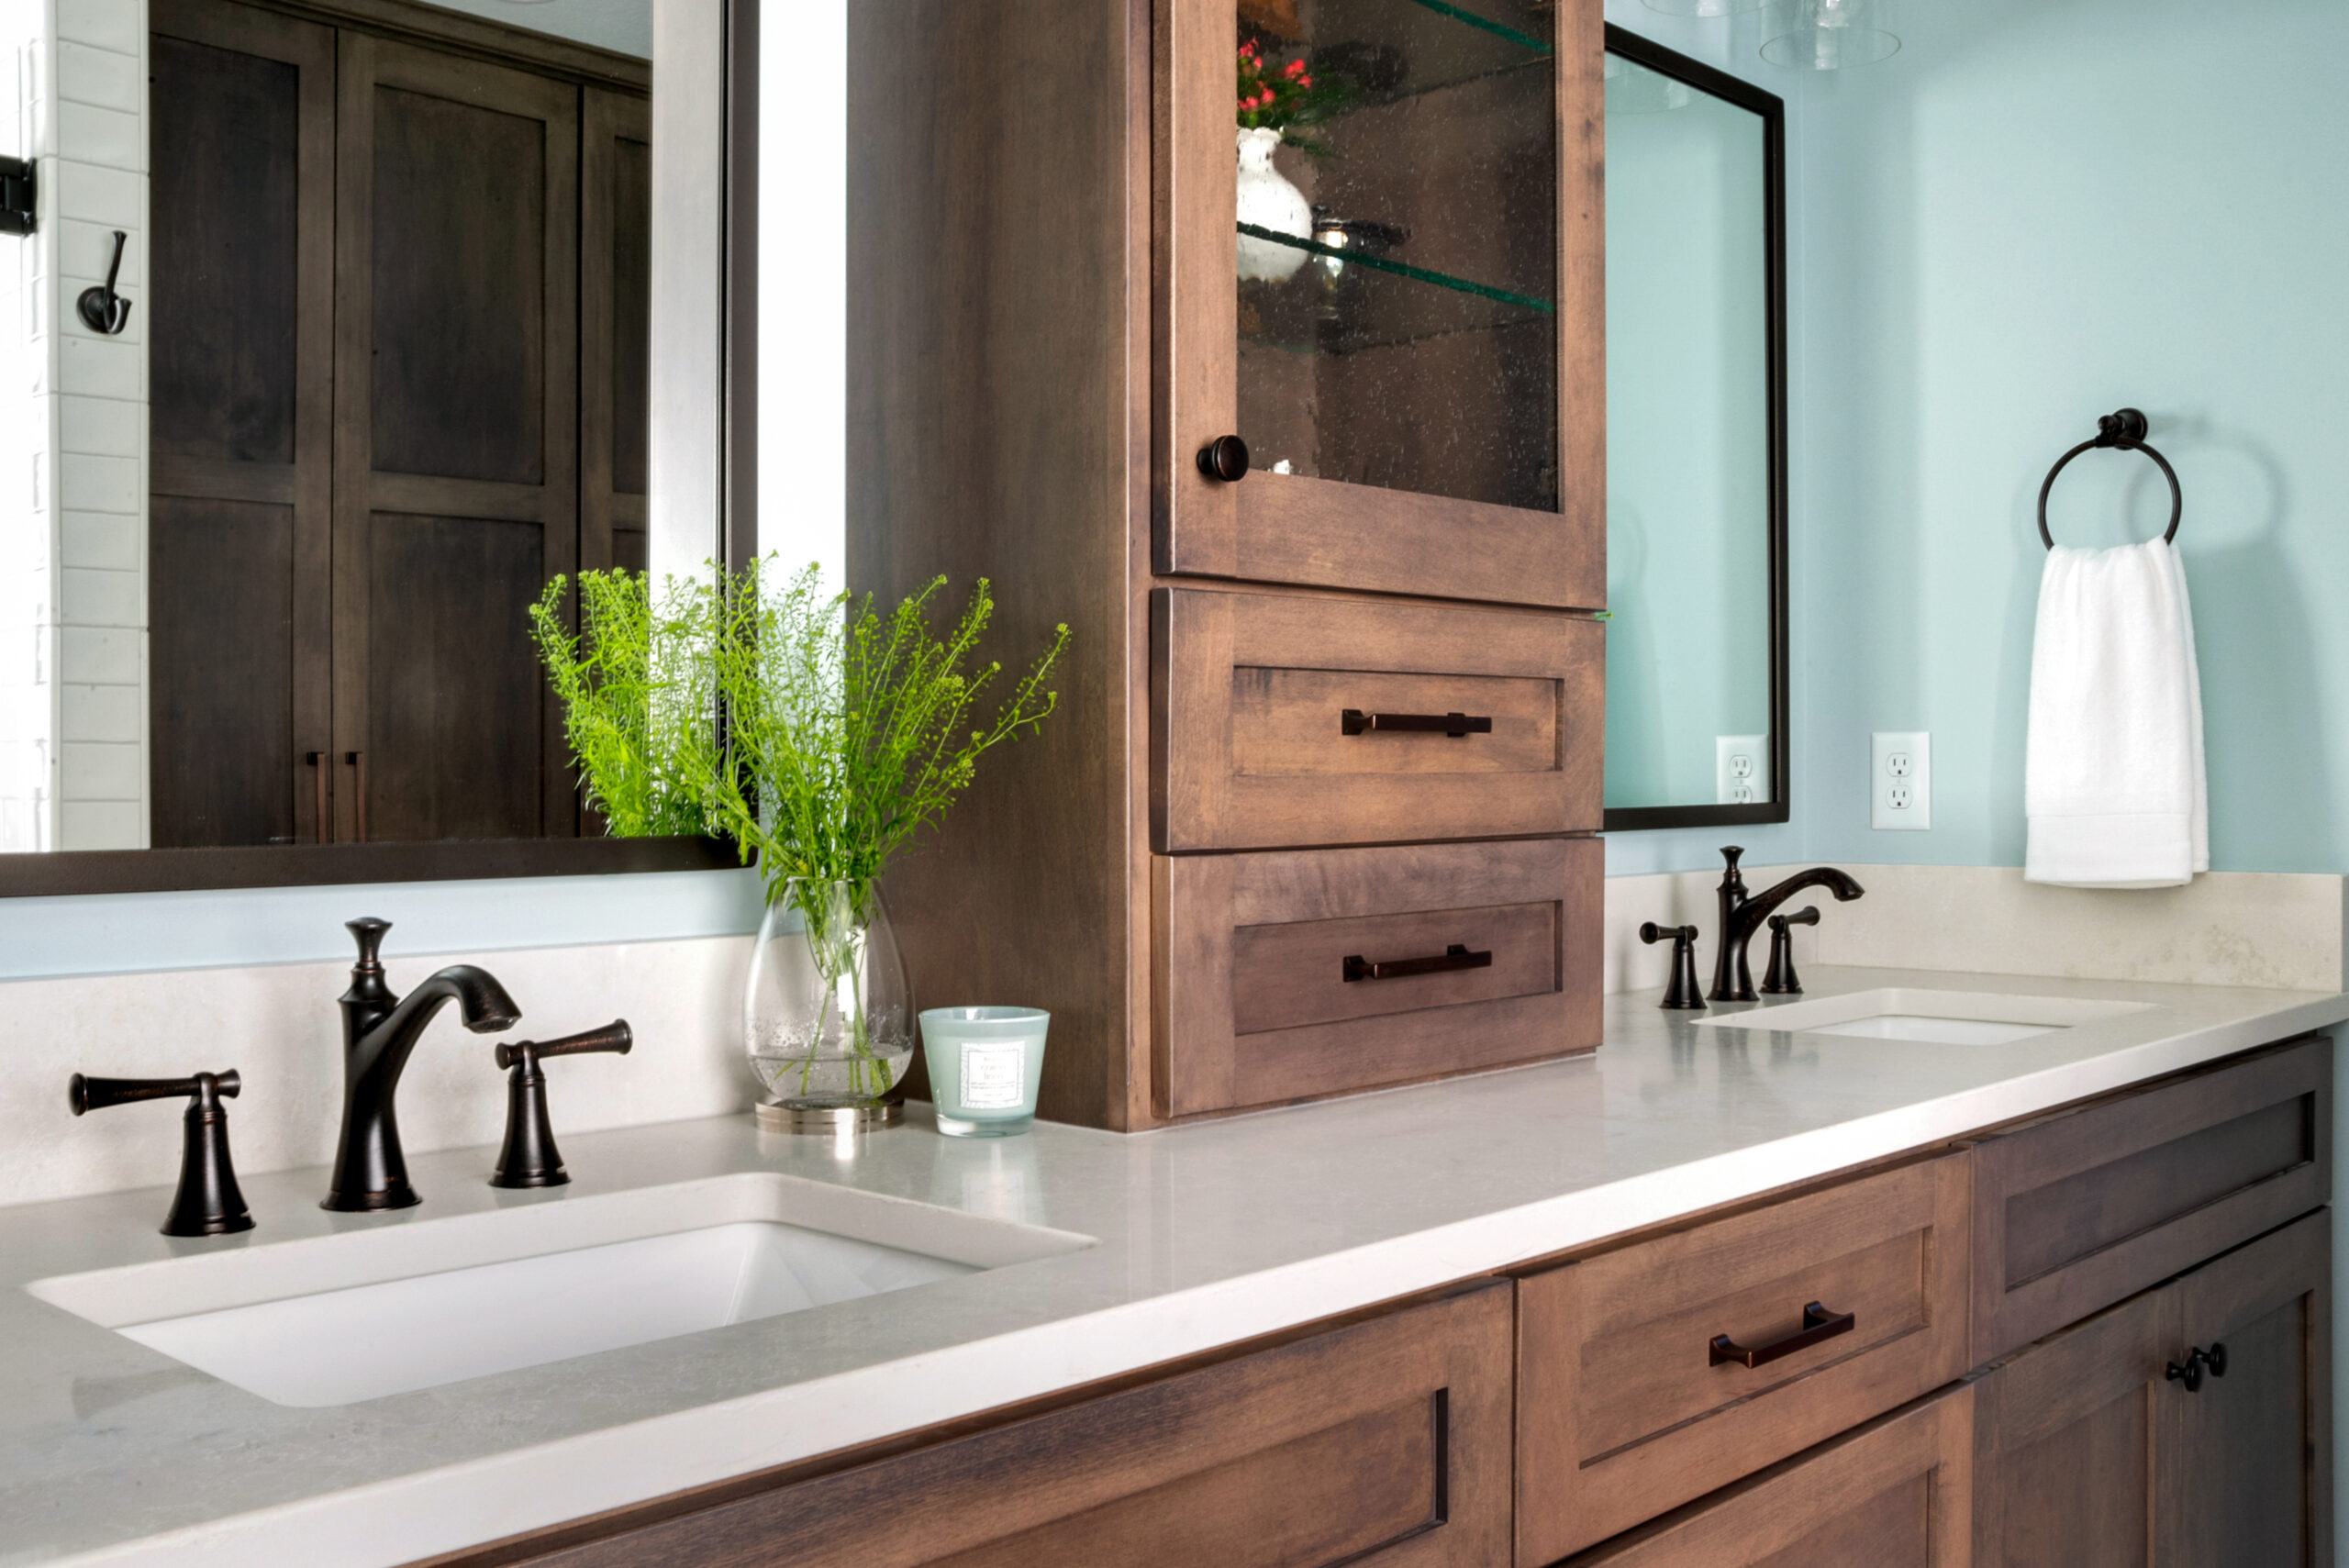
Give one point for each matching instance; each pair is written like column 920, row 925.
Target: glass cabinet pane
column 1398, row 250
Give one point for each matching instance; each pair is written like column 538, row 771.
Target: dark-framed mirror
column 426, row 304
column 1697, row 662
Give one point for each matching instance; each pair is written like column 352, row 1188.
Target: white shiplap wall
column 73, row 420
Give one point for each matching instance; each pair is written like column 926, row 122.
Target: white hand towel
column 2113, row 780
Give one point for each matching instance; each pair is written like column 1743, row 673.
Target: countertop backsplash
column 278, row 1025
column 2279, row 929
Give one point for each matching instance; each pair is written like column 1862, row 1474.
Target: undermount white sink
column 335, row 1320
column 1934, row 1018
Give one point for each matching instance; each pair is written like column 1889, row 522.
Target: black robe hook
column 104, row 311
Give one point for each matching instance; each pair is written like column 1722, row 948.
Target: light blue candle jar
column 984, row 1063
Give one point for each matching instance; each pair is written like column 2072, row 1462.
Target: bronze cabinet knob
column 1225, row 458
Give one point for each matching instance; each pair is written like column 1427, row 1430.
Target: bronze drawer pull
column 1353, row 721
column 1818, row 1324
column 1452, row 958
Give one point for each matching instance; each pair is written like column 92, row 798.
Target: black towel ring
column 2125, row 431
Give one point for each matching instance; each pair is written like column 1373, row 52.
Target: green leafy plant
column 847, row 734
column 815, row 734
column 638, row 683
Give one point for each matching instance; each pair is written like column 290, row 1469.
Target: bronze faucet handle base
column 1681, row 994
column 1780, row 979
column 529, row 1158
column 207, row 1202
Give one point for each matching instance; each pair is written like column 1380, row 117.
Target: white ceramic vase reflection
column 1268, row 201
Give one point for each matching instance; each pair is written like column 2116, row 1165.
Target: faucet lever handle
column 1680, row 993
column 1807, row 916
column 96, row 1094
column 529, row 1158
column 615, row 1037
column 207, row 1202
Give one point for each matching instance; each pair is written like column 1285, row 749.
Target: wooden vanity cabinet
column 1050, row 323
column 2089, row 1453
column 1599, row 1412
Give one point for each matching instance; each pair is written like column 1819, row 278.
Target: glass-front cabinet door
column 1380, row 293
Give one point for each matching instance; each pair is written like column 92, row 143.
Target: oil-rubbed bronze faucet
column 1741, row 917
column 379, row 1029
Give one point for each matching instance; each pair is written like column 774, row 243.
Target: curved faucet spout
column 1763, row 905
column 481, row 1001
column 379, row 1033
column 1742, row 916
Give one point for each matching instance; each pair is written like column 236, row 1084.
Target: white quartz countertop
column 1206, row 1235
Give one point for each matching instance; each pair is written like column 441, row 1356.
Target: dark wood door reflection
column 400, row 369
column 240, row 432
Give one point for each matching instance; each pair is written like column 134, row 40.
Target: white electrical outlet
column 1740, row 770
column 1901, row 779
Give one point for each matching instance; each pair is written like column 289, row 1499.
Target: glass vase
column 828, row 1019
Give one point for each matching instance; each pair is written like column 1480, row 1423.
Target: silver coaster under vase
column 831, row 1121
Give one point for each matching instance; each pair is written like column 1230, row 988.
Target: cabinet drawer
column 1892, row 1494
column 2079, row 1210
column 1385, row 1443
column 1278, row 971
column 1624, row 1409
column 1275, row 722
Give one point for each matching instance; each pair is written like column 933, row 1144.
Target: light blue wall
column 1687, row 437
column 2038, row 211
column 126, row 932
column 1733, row 44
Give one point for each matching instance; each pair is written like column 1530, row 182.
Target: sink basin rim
column 405, row 1244
column 1977, row 1006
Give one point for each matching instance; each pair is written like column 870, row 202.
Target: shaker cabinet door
column 456, row 443
column 2245, row 1474
column 2189, row 1426
column 1384, row 274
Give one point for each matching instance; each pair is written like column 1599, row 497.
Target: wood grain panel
column 1195, row 303
column 456, row 389
column 460, row 195
column 2079, row 1210
column 1622, row 1415
column 1254, row 1008
column 1895, row 1494
column 225, row 768
column 1300, row 787
column 1285, row 723
column 1288, row 976
column 615, row 328
column 1289, row 528
column 225, row 272
column 456, row 704
column 991, row 401
column 2064, row 1443
column 1383, row 1443
column 240, row 335
column 2245, row 1472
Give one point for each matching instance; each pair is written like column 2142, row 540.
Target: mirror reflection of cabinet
column 381, row 421
column 1695, row 444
